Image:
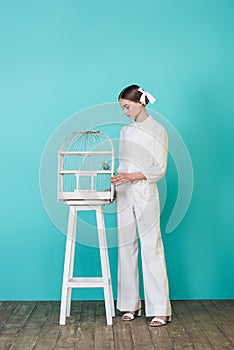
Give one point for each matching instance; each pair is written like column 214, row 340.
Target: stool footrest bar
column 86, row 282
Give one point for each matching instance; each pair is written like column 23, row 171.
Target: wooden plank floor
column 200, row 325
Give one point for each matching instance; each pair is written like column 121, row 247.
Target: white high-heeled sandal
column 161, row 322
column 128, row 316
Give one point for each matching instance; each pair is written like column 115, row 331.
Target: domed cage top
column 85, row 166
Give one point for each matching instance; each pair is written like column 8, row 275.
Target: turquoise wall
column 60, row 57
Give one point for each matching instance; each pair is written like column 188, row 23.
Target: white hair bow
column 144, row 95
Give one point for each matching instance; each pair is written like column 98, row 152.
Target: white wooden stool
column 69, row 281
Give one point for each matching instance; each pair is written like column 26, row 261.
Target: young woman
column 142, row 162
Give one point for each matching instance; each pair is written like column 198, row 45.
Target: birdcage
column 85, row 166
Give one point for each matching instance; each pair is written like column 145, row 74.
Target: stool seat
column 69, row 281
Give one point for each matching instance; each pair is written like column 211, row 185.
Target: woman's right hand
column 123, row 178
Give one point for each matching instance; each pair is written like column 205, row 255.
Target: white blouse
column 143, row 148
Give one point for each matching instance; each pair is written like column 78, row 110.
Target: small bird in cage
column 105, row 166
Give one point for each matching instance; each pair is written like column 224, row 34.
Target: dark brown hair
column 131, row 93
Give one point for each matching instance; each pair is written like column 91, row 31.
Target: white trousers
column 136, row 210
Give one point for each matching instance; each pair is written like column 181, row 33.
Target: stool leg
column 67, row 263
column 108, row 273
column 110, row 286
column 71, row 265
column 108, row 270
column 104, row 263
